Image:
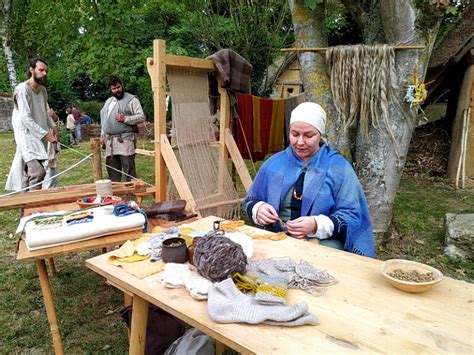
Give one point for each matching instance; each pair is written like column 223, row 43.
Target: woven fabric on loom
column 191, row 122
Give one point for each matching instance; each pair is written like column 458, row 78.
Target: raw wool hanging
column 217, row 257
column 192, row 127
column 363, row 83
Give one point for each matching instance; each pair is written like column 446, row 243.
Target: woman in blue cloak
column 310, row 191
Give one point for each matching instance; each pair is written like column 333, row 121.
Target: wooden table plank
column 360, row 313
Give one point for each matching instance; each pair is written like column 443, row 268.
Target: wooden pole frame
column 323, row 49
column 164, row 155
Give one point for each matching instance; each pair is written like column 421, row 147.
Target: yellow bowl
column 407, row 265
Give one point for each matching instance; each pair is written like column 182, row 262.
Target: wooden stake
column 323, row 49
column 96, row 159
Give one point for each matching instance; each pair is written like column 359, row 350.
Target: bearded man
column 119, row 118
column 33, row 128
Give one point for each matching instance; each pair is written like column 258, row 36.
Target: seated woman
column 312, row 188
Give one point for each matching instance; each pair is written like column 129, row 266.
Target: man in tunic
column 119, row 118
column 33, row 128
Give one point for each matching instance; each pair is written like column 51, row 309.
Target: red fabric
column 266, row 109
column 245, row 106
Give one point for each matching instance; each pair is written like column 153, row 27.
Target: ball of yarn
column 217, row 257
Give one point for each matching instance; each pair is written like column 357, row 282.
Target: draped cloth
column 261, row 128
column 330, row 188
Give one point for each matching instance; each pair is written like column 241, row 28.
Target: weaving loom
column 199, row 169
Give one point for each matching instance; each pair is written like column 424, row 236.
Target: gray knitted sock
column 226, row 304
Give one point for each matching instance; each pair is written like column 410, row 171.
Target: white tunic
column 30, row 123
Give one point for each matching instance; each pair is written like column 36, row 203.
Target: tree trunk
column 310, row 31
column 6, row 48
column 378, row 160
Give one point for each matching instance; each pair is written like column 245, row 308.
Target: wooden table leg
column 49, row 305
column 139, row 326
column 127, row 299
column 52, row 266
column 220, row 348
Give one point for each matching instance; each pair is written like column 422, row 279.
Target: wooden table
column 39, row 256
column 360, row 313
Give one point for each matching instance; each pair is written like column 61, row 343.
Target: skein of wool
column 217, row 257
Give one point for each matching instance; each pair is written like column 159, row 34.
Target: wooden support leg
column 127, row 299
column 104, row 250
column 52, row 266
column 139, row 326
column 220, row 348
column 49, row 305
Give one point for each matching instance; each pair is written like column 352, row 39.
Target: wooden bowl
column 407, row 265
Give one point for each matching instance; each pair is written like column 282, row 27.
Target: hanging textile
column 277, row 140
column 262, row 126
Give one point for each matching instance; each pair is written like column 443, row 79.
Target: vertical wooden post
column 157, row 70
column 139, row 326
column 224, row 124
column 96, row 159
column 49, row 305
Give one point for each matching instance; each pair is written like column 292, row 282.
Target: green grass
column 87, row 307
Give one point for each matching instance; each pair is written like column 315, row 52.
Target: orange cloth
column 257, row 147
column 277, row 139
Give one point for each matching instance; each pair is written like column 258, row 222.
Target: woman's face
column 304, row 138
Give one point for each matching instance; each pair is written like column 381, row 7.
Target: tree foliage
column 85, row 41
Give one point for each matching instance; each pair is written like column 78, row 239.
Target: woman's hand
column 266, row 214
column 302, row 226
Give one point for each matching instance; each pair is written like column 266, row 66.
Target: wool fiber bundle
column 217, row 257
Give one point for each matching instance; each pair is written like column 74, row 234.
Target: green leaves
column 312, row 4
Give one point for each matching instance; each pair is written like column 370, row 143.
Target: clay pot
column 174, row 250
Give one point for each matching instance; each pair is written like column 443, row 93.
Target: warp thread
column 217, row 257
column 103, row 188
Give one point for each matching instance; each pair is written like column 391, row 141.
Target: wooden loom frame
column 164, row 155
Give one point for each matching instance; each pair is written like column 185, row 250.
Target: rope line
column 106, row 165
column 70, row 168
column 50, row 178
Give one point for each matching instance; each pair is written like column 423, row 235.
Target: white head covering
column 311, row 113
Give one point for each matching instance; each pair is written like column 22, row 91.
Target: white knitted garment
column 197, row 285
column 226, row 304
column 172, row 276
column 180, row 275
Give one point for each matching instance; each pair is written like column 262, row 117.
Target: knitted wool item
column 226, row 304
column 197, row 285
column 303, row 275
column 217, row 257
column 172, row 276
column 180, row 275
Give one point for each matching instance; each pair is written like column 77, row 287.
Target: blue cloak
column 330, row 188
